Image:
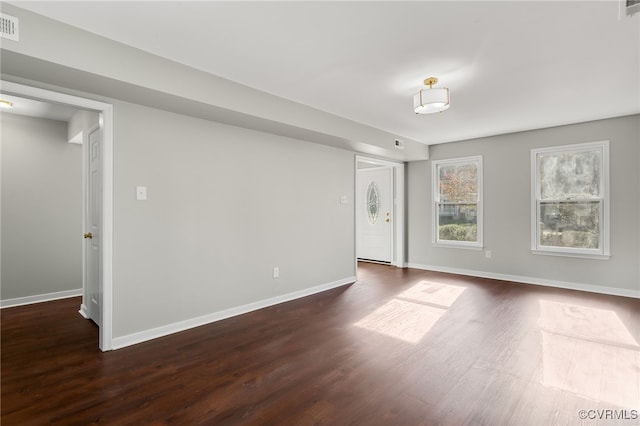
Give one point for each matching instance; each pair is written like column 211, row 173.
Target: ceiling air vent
column 631, row 7
column 8, row 27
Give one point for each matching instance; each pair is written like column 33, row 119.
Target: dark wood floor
column 399, row 347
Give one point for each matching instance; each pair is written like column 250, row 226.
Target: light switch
column 344, row 199
column 141, row 193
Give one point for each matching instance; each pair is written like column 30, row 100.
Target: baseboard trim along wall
column 84, row 311
column 612, row 291
column 154, row 333
column 27, row 300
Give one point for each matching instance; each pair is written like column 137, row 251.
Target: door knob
column 88, row 235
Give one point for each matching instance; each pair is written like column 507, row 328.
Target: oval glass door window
column 373, row 202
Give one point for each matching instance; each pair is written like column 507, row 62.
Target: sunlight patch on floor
column 589, row 352
column 433, row 293
column 410, row 315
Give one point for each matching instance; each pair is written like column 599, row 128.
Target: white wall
column 41, row 208
column 225, row 205
column 507, row 211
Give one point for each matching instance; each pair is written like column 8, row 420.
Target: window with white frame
column 457, row 202
column 570, row 200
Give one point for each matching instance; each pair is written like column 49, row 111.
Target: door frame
column 106, row 243
column 398, row 200
column 380, row 173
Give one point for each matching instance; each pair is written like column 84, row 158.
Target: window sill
column 567, row 254
column 458, row 246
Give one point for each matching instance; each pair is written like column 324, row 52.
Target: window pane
column 458, row 182
column 373, row 202
column 458, row 222
column 570, row 224
column 567, row 175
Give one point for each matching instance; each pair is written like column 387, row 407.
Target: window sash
column 455, row 210
column 474, row 202
column 602, row 250
column 574, row 155
column 559, row 234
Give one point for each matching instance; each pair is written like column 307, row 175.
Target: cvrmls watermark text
column 606, row 414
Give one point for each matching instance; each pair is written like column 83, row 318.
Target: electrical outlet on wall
column 276, row 272
column 487, row 254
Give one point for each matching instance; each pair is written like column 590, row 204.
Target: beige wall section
column 225, row 205
column 507, row 207
column 41, row 208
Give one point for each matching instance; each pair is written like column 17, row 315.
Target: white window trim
column 435, row 198
column 603, row 253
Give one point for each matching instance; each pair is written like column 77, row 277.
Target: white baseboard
column 613, row 291
column 18, row 301
column 154, row 333
column 83, row 311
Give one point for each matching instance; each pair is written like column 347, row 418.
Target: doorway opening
column 101, row 194
column 379, row 211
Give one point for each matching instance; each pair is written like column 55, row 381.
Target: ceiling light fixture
column 5, row 104
column 428, row 101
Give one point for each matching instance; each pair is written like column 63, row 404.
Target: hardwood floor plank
column 398, row 347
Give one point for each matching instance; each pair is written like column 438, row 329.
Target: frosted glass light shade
column 428, row 101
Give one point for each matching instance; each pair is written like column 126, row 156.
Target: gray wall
column 41, row 208
column 81, row 124
column 225, row 205
column 507, row 211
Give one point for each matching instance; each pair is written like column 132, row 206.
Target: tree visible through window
column 570, row 199
column 457, row 201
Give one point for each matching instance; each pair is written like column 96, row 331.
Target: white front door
column 94, row 235
column 374, row 212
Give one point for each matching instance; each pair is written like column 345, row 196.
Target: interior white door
column 94, row 234
column 375, row 214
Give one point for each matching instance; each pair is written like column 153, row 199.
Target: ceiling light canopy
column 428, row 101
column 5, row 104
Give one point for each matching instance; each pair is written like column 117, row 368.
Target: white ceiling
column 510, row 65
